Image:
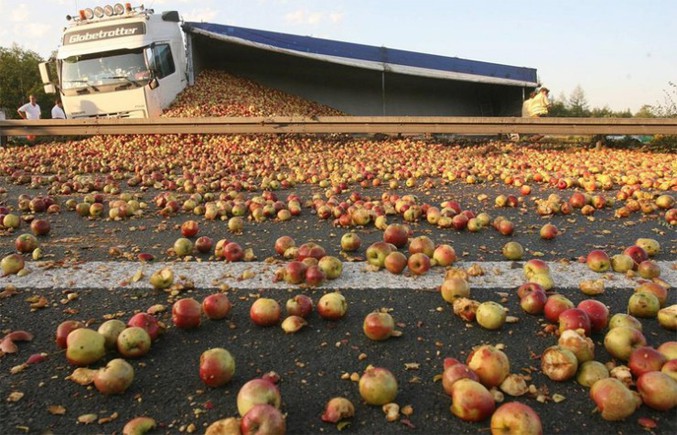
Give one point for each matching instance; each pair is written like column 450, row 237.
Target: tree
column 646, row 111
column 578, row 105
column 668, row 108
column 19, row 77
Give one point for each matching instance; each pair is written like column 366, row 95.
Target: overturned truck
column 123, row 62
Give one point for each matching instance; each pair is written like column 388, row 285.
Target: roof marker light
column 108, row 10
column 118, row 9
column 88, row 13
column 98, row 12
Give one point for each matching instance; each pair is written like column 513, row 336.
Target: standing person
column 540, row 103
column 526, row 106
column 57, row 110
column 30, row 110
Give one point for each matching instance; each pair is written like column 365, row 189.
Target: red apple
column 25, row 243
column 115, row 378
column 283, row 243
column 233, row 252
column 395, row 262
column 377, row 386
column 645, row 359
column 314, row 275
column 186, row 313
column 40, row 227
column 658, row 390
column 636, row 253
column 265, row 312
column 216, row 306
column 649, row 269
column 295, row 272
column 506, row 227
column 217, row 367
column 263, row 419
column 577, row 200
column 310, row 249
column 337, row 409
column 332, row 306
column 133, row 342
column 379, row 326
column 516, row 418
column 471, row 401
column 204, row 244
column 534, row 301
column 64, row 329
column 189, row 228
column 574, row 318
column 396, row 234
column 555, row 305
column 654, row 288
column 535, row 266
column 527, row 288
column 418, row 263
column 147, row 322
column 598, row 261
column 597, row 312
column 548, row 232
column 453, row 373
column 300, row 305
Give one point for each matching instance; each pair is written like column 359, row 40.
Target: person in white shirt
column 30, row 110
column 57, row 110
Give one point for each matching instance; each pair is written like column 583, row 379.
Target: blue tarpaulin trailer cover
column 370, row 57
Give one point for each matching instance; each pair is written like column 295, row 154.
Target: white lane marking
column 498, row 275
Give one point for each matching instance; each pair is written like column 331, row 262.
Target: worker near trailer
column 57, row 110
column 526, row 105
column 540, row 104
column 30, row 110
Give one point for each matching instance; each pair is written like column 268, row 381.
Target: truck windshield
column 99, row 72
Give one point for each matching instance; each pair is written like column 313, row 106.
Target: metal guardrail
column 343, row 124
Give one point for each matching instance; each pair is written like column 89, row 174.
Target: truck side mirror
column 46, row 78
column 153, row 84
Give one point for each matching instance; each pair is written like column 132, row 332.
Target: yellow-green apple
column 183, row 246
column 377, row 386
column 162, row 279
column 331, row 266
column 667, row 318
column 490, row 315
column 133, row 342
column 332, row 306
column 85, row 346
column 643, row 305
column 516, row 418
column 621, row 341
column 110, row 329
column 622, row 263
column 115, row 378
column 590, row 372
column 453, row 288
column 257, row 391
column 377, row 252
column 535, row 266
column 350, row 242
column 656, row 289
column 65, row 328
column 649, row 269
column 513, row 251
column 623, row 319
column 614, row 400
column 300, row 305
column 651, row 246
column 558, row 363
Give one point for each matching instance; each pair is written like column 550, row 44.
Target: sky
column 621, row 53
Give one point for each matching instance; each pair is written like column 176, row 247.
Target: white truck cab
column 119, row 62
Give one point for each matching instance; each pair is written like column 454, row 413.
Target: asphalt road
column 311, row 363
